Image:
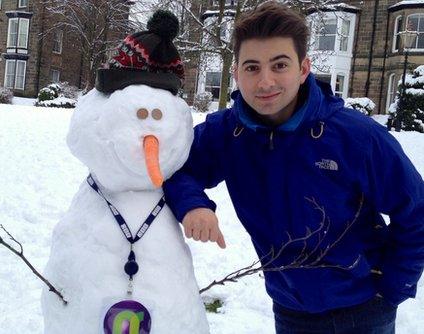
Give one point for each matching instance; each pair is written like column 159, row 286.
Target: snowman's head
column 132, row 139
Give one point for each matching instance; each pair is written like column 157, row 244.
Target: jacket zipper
column 271, row 141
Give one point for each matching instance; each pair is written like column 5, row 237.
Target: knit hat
column 146, row 57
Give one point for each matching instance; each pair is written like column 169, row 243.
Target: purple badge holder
column 127, row 317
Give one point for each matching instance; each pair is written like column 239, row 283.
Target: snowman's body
column 89, row 249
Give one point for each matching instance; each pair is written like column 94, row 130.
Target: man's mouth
column 266, row 97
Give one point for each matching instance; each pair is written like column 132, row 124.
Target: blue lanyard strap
column 121, row 221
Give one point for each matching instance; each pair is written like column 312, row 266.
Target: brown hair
column 272, row 20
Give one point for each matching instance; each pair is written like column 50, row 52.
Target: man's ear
column 305, row 69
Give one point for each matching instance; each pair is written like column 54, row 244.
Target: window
column 213, row 83
column 340, row 83
column 324, row 78
column 327, row 35
column 18, row 33
column 396, row 36
column 57, row 41
column 15, row 74
column 344, row 35
column 415, row 22
column 23, row 3
column 391, row 91
column 55, row 76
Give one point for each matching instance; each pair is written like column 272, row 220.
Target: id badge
column 127, row 317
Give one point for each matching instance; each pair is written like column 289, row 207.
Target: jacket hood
column 316, row 103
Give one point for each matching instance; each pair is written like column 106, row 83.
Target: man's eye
column 280, row 66
column 251, row 68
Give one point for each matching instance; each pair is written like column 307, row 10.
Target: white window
column 9, row 78
column 213, row 83
column 15, row 74
column 55, row 76
column 23, row 3
column 391, row 91
column 20, row 74
column 17, row 35
column 327, row 35
column 396, row 31
column 324, row 78
column 344, row 35
column 340, row 84
column 23, row 33
column 415, row 22
column 57, row 41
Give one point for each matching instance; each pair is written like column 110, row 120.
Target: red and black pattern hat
column 146, row 57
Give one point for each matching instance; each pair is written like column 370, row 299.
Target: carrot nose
column 151, row 154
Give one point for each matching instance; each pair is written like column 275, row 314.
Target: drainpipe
column 40, row 46
column 355, row 50
column 383, row 72
column 374, row 24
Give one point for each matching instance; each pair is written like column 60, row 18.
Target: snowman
column 118, row 255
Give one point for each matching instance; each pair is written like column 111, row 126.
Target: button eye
column 142, row 113
column 156, row 114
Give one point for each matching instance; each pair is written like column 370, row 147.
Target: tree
column 209, row 29
column 97, row 25
column 408, row 108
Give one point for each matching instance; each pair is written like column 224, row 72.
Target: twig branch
column 304, row 260
column 20, row 253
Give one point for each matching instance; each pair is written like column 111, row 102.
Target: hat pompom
column 164, row 24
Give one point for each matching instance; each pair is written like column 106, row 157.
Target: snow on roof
column 407, row 2
column 340, row 5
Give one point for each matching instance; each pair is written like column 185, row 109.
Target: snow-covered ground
column 38, row 180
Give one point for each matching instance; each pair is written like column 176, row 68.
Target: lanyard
column 131, row 267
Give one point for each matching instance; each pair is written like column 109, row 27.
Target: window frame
column 420, row 17
column 340, row 93
column 58, row 77
column 18, row 33
column 20, row 5
column 16, row 63
column 60, row 42
column 340, row 18
column 391, row 90
column 396, row 31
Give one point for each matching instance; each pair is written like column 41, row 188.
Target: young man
column 297, row 162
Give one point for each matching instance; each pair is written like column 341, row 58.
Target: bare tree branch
column 20, row 253
column 303, row 260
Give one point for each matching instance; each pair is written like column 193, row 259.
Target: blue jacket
column 328, row 157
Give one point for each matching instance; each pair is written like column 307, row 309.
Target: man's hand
column 202, row 224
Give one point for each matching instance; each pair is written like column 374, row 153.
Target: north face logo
column 327, row 164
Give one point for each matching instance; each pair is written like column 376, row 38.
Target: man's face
column 269, row 75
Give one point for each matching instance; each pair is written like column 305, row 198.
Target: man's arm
column 184, row 191
column 397, row 189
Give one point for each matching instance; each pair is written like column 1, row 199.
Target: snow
column 40, row 178
column 407, row 2
column 58, row 101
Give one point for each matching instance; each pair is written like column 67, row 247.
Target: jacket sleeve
column 397, row 189
column 184, row 191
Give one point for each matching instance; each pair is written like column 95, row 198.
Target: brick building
column 33, row 54
column 358, row 50
column 368, row 55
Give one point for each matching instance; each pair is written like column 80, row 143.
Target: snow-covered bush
column 59, row 95
column 6, row 95
column 409, row 109
column 362, row 104
column 202, row 101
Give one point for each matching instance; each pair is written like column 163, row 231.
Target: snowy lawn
column 38, row 180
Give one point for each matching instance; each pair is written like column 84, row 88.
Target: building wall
column 372, row 81
column 41, row 58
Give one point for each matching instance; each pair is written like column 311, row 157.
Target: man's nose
column 266, row 79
